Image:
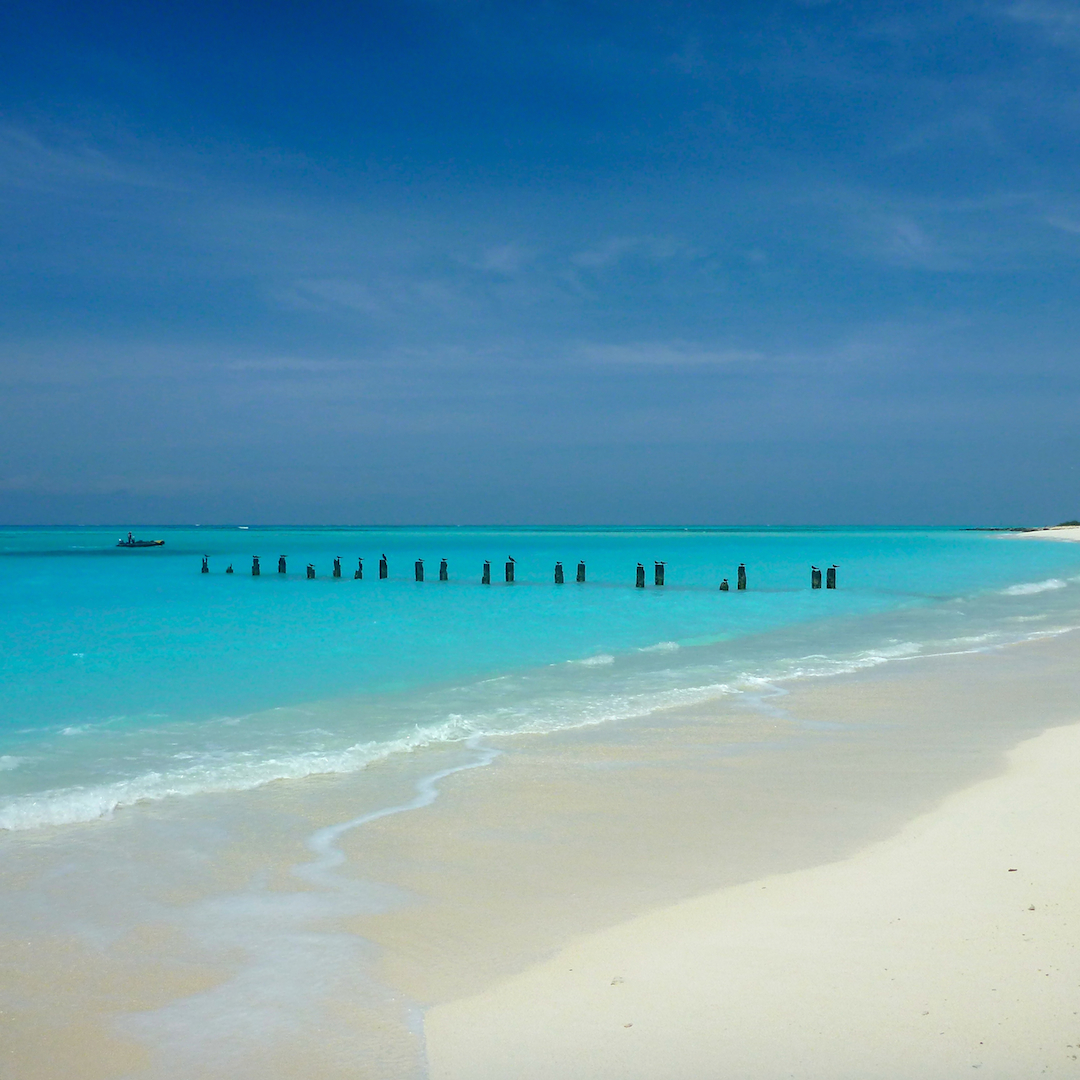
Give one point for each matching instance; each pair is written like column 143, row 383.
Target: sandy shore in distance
column 953, row 946
column 1054, row 532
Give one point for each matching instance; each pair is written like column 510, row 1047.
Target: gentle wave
column 661, row 647
column 898, row 651
column 247, row 770
column 9, row 762
column 68, row 806
column 1032, row 587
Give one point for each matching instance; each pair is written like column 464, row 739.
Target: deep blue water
column 129, row 674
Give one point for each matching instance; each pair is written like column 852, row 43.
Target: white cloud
column 663, row 354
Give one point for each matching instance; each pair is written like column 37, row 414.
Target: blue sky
column 453, row 261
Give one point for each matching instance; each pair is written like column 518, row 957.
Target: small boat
column 131, row 542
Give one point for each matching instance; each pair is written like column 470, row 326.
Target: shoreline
column 1051, row 532
column 563, row 836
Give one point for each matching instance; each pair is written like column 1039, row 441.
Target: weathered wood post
column 815, row 578
column 419, row 569
column 444, row 574
column 658, row 573
column 205, row 567
column 254, row 565
column 228, row 569
column 558, row 573
column 281, row 564
column 486, row 579
column 310, row 570
column 640, row 582
column 724, row 586
column 337, row 566
column 581, row 570
column 510, row 570
column 741, row 583
column 382, row 568
column 830, row 578
column 359, row 573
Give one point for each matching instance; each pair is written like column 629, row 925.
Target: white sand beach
column 1053, row 532
column 952, row 947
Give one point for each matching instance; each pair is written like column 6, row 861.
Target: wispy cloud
column 1068, row 224
column 618, row 248
column 505, row 259
column 384, row 296
column 30, row 159
column 907, row 241
column 1059, row 22
column 958, row 128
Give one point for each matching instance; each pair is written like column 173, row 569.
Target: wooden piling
column 444, row 574
column 581, row 571
column 486, row 579
column 281, row 564
column 382, row 568
column 830, row 578
column 229, row 569
column 205, row 567
column 359, row 573
column 337, row 566
column 640, row 582
column 724, row 586
column 741, row 583
column 419, row 569
column 815, row 578
column 510, row 571
column 558, row 573
column 310, row 570
column 254, row 565
column 658, row 573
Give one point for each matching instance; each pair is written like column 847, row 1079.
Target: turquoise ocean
column 128, row 675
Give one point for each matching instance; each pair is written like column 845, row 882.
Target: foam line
column 324, row 842
column 1032, row 587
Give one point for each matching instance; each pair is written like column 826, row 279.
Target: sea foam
column 661, row 647
column 1032, row 587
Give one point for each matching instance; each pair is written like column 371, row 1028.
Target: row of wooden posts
column 485, row 579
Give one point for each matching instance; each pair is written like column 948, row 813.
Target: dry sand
column 1053, row 532
column 948, row 948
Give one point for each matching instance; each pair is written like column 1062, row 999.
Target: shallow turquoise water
column 129, row 674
